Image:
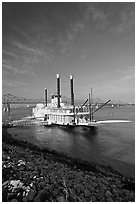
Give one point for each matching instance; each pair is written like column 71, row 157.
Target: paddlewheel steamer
column 58, row 113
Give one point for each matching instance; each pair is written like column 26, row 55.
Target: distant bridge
column 11, row 99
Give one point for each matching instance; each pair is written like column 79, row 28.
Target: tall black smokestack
column 71, row 89
column 46, row 96
column 58, row 89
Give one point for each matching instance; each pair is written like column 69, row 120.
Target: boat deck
column 35, row 122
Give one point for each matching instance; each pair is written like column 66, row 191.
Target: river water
column 108, row 144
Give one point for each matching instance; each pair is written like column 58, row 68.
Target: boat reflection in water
column 85, row 131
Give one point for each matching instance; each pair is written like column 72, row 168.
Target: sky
column 94, row 42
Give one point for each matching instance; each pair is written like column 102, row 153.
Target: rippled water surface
column 108, row 144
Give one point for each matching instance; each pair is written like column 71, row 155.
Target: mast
column 91, row 105
column 74, row 109
column 89, row 108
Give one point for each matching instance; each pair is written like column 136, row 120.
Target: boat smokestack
column 71, row 89
column 46, row 96
column 58, row 89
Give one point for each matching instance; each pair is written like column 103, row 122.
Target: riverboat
column 58, row 113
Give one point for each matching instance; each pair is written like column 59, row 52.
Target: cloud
column 10, row 68
column 27, row 48
column 9, row 54
column 7, row 69
column 114, row 17
column 71, row 33
column 14, row 83
column 31, row 53
column 19, row 31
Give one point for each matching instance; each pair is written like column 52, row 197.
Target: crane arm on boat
column 82, row 106
column 101, row 106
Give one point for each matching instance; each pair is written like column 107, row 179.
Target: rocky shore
column 32, row 175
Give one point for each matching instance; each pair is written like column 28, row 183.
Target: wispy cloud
column 19, row 31
column 9, row 54
column 16, row 71
column 14, row 83
column 71, row 33
column 27, row 48
column 115, row 17
column 10, row 68
column 32, row 53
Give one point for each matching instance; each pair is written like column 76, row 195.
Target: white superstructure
column 64, row 115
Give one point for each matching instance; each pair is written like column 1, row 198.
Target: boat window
column 71, row 110
column 76, row 110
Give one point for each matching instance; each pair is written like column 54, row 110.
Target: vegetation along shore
column 31, row 174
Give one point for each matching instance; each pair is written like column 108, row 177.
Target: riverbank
column 29, row 174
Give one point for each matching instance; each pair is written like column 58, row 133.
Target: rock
column 24, row 199
column 103, row 187
column 31, row 185
column 40, row 167
column 15, row 186
column 115, row 194
column 93, row 199
column 108, row 179
column 29, row 166
column 42, row 195
column 37, row 199
column 42, row 184
column 87, row 193
column 132, row 196
column 21, row 162
column 10, row 196
column 87, row 177
column 109, row 196
column 21, row 168
column 48, row 188
column 108, row 193
column 14, row 200
column 5, row 183
column 4, row 157
column 55, row 193
column 61, row 199
column 31, row 195
column 93, row 178
column 110, row 199
column 102, row 199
